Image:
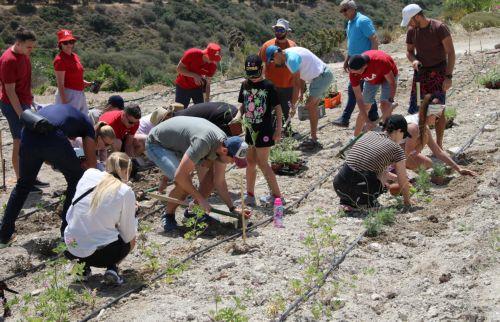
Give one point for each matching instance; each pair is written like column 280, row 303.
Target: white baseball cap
column 409, row 12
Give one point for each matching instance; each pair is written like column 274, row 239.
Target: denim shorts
column 13, row 119
column 167, row 160
column 319, row 86
column 370, row 90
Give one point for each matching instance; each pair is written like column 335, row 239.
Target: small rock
column 454, row 150
column 432, row 312
column 36, row 292
column 487, row 282
column 260, row 267
column 445, row 278
column 226, row 266
column 490, row 128
column 376, row 297
column 415, row 219
column 433, row 218
column 391, row 295
column 375, row 247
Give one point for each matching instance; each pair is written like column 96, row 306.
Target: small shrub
column 377, row 219
column 478, row 20
column 450, row 113
column 385, row 36
column 438, row 170
column 25, row 8
column 422, row 182
column 491, row 79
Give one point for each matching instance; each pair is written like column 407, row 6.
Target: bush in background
column 457, row 9
column 478, row 20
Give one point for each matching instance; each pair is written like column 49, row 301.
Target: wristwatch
column 449, row 76
column 391, row 100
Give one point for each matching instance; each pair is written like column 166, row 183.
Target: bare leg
column 176, row 193
column 262, row 161
column 251, row 169
column 139, row 142
column 362, row 119
column 414, row 162
column 163, row 184
column 386, row 108
column 312, row 107
column 440, row 127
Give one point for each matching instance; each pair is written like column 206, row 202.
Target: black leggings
column 356, row 188
column 109, row 256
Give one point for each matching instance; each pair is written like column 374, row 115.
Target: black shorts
column 106, row 256
column 356, row 188
column 263, row 137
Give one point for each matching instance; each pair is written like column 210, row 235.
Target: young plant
column 450, row 113
column 491, row 79
column 422, row 182
column 438, row 170
column 377, row 219
column 276, row 305
column 233, row 313
column 56, row 300
column 195, row 224
column 174, row 269
column 149, row 250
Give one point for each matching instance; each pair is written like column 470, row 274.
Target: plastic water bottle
column 278, row 213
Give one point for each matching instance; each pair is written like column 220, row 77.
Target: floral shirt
column 259, row 100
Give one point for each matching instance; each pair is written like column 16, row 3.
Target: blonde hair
column 102, row 129
column 118, row 168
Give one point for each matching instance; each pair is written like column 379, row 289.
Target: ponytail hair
column 118, row 168
column 102, row 129
column 422, row 121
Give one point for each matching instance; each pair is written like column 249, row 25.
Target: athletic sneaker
column 39, row 183
column 340, row 122
column 7, row 243
column 35, row 189
column 268, row 201
column 168, row 222
column 111, row 277
column 249, row 201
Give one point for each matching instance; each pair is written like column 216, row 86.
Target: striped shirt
column 374, row 152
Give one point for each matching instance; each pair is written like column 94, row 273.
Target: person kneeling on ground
column 180, row 144
column 125, row 124
column 51, row 146
column 364, row 175
column 102, row 226
column 104, row 139
column 418, row 127
column 260, row 107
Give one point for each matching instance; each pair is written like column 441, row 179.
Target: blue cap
column 270, row 51
column 237, row 148
column 116, row 101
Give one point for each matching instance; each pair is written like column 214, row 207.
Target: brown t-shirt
column 428, row 42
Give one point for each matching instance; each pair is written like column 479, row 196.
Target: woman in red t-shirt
column 69, row 73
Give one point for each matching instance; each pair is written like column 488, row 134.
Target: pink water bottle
column 278, row 213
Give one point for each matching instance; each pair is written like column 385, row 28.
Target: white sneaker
column 249, row 201
column 111, row 277
column 268, row 201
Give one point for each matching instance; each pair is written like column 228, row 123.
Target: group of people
column 98, row 216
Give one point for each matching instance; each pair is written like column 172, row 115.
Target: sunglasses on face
column 343, row 10
column 131, row 122
column 69, row 42
column 280, row 30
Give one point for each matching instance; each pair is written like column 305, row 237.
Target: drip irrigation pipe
column 474, row 137
column 313, row 290
column 44, row 263
column 209, row 248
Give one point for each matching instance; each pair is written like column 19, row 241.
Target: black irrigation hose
column 474, row 136
column 313, row 290
column 209, row 248
column 44, row 263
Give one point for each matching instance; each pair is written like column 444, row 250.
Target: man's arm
column 220, row 183
column 297, row 88
column 392, row 82
column 10, row 90
column 410, row 54
column 129, row 145
column 450, row 64
column 183, row 179
column 359, row 99
column 374, row 41
column 89, row 149
column 182, row 69
column 207, row 89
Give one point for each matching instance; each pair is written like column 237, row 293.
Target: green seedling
column 491, row 79
column 422, row 182
column 376, row 220
column 235, row 313
column 450, row 113
column 276, row 305
column 195, row 224
column 438, row 170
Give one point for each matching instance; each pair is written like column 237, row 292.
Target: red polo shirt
column 380, row 64
column 193, row 60
column 16, row 68
column 113, row 119
column 70, row 64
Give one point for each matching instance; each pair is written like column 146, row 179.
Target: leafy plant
column 233, row 313
column 375, row 220
column 174, row 269
column 450, row 113
column 284, row 152
column 422, row 182
column 56, row 300
column 276, row 304
column 491, row 79
column 438, row 170
column 195, row 224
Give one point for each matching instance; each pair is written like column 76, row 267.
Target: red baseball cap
column 213, row 52
column 65, row 35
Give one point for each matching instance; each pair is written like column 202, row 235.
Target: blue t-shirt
column 70, row 123
column 359, row 31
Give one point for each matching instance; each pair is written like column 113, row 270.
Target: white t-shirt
column 303, row 60
column 412, row 118
column 115, row 216
column 145, row 125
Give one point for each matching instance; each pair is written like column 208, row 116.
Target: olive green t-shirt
column 194, row 136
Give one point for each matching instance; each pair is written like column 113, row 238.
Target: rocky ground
column 439, row 262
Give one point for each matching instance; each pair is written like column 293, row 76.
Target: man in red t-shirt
column 15, row 79
column 125, row 123
column 281, row 76
column 194, row 72
column 377, row 69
